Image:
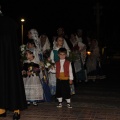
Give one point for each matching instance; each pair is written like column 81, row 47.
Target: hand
column 28, row 73
column 52, row 67
column 48, row 59
column 71, row 82
column 23, row 72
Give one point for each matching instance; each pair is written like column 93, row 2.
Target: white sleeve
column 66, row 45
column 54, row 44
column 70, row 72
column 52, row 56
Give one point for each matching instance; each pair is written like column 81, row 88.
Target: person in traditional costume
column 33, row 34
column 64, row 76
column 79, row 53
column 93, row 62
column 61, row 33
column 33, row 86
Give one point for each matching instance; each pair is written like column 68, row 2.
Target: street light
column 22, row 21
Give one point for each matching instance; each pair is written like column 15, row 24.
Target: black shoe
column 69, row 105
column 59, row 105
column 16, row 116
column 3, row 115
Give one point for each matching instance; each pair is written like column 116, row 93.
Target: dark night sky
column 48, row 15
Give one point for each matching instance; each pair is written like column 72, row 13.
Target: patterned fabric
column 52, row 83
column 32, row 84
column 46, row 93
column 33, row 88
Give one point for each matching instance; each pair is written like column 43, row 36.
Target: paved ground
column 99, row 100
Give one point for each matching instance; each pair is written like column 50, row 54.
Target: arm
column 52, row 69
column 81, row 46
column 52, row 56
column 70, row 74
column 66, row 45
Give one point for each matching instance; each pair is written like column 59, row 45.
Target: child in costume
column 54, row 58
column 32, row 84
column 64, row 76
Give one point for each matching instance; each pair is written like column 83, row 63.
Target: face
column 60, row 31
column 79, row 33
column 60, row 41
column 29, row 35
column 29, row 56
column 43, row 38
column 93, row 42
column 72, row 38
column 29, row 45
column 62, row 55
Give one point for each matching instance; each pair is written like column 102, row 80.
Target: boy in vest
column 64, row 77
column 54, row 58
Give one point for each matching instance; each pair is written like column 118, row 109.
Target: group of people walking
column 46, row 70
column 40, row 65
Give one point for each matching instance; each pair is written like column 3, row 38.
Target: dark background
column 47, row 15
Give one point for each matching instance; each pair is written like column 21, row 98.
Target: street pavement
column 99, row 100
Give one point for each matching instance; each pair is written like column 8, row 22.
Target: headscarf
column 35, row 37
column 35, row 54
column 46, row 45
column 34, row 34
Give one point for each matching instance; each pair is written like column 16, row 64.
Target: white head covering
column 35, row 37
column 34, row 34
column 46, row 45
column 33, row 50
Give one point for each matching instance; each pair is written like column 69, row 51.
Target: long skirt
column 52, row 83
column 33, row 88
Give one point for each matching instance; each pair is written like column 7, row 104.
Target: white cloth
column 46, row 46
column 79, row 39
column 35, row 36
column 77, row 66
column 33, row 88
